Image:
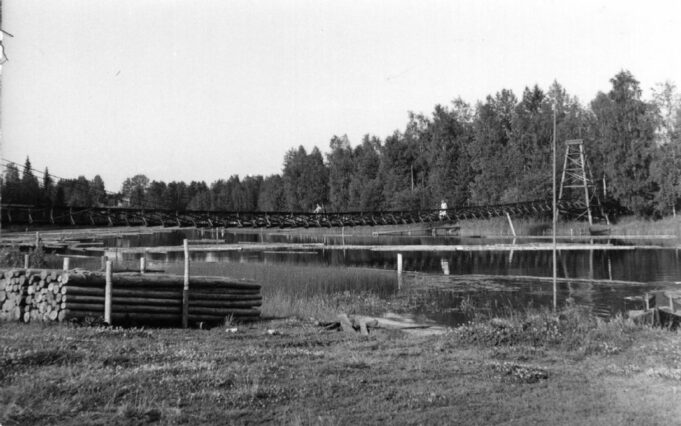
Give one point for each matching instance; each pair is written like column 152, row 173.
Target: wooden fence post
column 66, row 263
column 143, row 265
column 399, row 263
column 671, row 302
column 104, row 259
column 107, row 293
column 510, row 223
column 25, row 261
column 185, row 290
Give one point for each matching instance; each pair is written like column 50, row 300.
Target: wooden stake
column 25, row 261
column 66, row 264
column 143, row 265
column 399, row 263
column 107, row 293
column 510, row 223
column 185, row 290
column 104, row 259
column 671, row 302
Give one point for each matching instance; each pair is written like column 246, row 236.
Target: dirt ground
column 296, row 372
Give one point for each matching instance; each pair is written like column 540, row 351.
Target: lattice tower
column 576, row 183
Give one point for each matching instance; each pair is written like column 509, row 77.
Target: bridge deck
column 120, row 216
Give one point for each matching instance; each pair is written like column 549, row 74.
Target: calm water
column 655, row 268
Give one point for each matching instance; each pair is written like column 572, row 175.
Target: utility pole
column 555, row 215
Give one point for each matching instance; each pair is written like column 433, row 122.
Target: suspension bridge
column 119, row 216
column 575, row 177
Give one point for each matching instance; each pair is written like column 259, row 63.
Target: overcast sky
column 201, row 90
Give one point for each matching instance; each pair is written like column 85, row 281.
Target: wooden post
column 554, row 213
column 671, row 302
column 647, row 301
column 66, row 263
column 399, row 263
column 510, row 223
column 104, row 259
column 25, row 261
column 37, row 239
column 143, row 265
column 185, row 290
column 107, row 293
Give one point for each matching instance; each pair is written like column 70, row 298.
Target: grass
column 627, row 225
column 499, row 226
column 575, row 330
column 532, row 367
column 637, row 226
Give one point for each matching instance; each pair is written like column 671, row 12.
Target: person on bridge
column 443, row 210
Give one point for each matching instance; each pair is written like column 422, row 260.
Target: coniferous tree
column 48, row 188
column 295, row 162
column 30, row 189
column 341, row 167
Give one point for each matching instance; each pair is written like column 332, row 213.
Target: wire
column 145, row 203
column 4, row 55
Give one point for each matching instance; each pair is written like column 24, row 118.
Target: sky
column 201, row 90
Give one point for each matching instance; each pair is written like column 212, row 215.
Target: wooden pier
column 658, row 308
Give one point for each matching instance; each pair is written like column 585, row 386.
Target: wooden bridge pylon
column 577, row 178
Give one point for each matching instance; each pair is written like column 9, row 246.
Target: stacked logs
column 27, row 295
column 137, row 299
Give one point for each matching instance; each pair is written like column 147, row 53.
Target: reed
column 638, row 226
column 306, row 291
column 498, row 226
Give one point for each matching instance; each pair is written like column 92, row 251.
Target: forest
column 496, row 151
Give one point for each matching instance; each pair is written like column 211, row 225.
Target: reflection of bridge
column 117, row 216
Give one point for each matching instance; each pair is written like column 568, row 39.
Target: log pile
column 137, row 299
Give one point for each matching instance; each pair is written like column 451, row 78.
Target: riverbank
column 526, row 368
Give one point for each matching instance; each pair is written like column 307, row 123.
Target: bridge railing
column 12, row 214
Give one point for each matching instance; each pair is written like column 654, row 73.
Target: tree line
column 497, row 151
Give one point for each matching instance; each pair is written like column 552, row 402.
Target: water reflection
column 444, row 302
column 445, row 266
column 622, row 265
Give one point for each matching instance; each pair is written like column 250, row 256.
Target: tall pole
column 555, row 214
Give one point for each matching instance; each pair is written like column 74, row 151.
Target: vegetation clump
column 13, row 257
column 574, row 329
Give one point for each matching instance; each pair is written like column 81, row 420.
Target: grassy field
column 529, row 368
